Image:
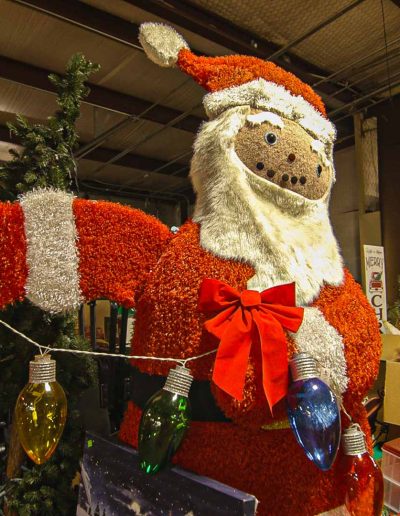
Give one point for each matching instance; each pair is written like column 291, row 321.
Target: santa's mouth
column 285, row 177
column 294, row 179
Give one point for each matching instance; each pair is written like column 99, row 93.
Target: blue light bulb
column 313, row 412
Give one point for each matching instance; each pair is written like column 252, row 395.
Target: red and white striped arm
column 59, row 251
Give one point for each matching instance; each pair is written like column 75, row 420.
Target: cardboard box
column 391, row 357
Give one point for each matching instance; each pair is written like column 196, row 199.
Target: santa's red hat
column 240, row 80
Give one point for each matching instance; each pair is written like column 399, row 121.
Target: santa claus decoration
column 255, row 276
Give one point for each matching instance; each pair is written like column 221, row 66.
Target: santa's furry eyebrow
column 266, row 116
column 318, row 147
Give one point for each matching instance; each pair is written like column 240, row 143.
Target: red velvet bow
column 243, row 318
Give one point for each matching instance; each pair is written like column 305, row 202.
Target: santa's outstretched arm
column 60, row 251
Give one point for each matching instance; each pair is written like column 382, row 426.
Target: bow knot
column 238, row 320
column 250, row 298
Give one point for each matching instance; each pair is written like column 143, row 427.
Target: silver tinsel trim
column 42, row 369
column 179, row 381
column 52, row 255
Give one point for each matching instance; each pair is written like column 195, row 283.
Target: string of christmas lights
column 182, row 361
column 41, row 408
column 41, row 411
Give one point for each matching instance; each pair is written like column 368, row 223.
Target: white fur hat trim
column 161, row 43
column 272, row 97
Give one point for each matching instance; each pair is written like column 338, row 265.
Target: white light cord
column 346, row 413
column 182, row 361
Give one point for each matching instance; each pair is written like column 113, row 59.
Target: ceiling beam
column 190, row 17
column 225, row 33
column 89, row 18
column 114, row 190
column 132, row 161
column 136, row 161
column 5, row 135
column 86, row 185
column 348, row 141
column 35, row 77
column 201, row 22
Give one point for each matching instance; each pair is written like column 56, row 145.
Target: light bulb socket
column 42, row 369
column 353, row 441
column 179, row 381
column 303, row 366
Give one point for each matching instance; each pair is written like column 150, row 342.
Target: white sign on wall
column 375, row 283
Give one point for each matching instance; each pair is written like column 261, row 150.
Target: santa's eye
column 270, row 138
column 319, row 170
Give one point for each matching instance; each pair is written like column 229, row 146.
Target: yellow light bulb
column 41, row 410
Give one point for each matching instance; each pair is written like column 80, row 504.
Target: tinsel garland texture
column 217, row 73
column 13, row 267
column 117, row 246
column 266, row 463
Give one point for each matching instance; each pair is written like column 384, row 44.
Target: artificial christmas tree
column 45, row 161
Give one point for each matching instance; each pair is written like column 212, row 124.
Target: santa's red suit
column 253, row 452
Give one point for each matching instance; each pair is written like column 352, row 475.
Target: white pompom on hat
column 161, row 43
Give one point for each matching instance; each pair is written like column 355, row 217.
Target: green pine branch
column 46, row 159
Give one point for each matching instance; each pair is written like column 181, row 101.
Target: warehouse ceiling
column 138, row 124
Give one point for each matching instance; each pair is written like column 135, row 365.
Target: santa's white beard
column 243, row 217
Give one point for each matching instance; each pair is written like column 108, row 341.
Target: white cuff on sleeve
column 52, row 254
column 319, row 339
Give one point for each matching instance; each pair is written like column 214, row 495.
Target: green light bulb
column 164, row 421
